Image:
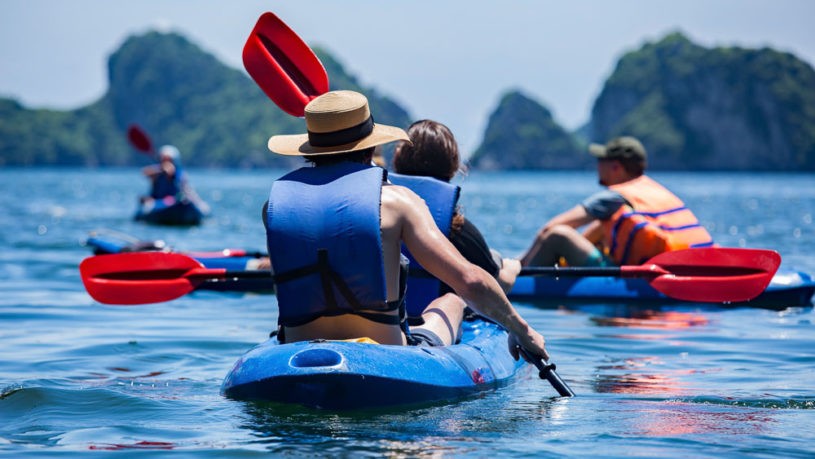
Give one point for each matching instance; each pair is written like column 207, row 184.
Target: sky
column 447, row 60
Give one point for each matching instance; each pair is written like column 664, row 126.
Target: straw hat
column 337, row 122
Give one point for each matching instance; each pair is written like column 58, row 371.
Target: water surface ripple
column 655, row 381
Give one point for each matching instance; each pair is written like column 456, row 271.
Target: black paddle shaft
column 228, row 276
column 571, row 271
column 252, row 274
column 547, row 371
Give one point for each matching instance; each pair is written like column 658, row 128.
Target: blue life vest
column 441, row 198
column 325, row 244
column 164, row 186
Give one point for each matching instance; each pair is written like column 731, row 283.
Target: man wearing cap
column 633, row 220
column 334, row 233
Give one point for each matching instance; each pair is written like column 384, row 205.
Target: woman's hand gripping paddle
column 708, row 275
column 150, row 277
column 283, row 65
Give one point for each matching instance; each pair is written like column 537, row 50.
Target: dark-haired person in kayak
column 426, row 164
column 634, row 219
column 334, row 233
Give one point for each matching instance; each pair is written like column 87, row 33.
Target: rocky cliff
column 179, row 94
column 694, row 108
column 522, row 134
column 711, row 109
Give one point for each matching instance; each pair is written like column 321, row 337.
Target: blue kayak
column 106, row 242
column 787, row 288
column 177, row 213
column 343, row 375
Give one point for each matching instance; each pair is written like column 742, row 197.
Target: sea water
column 80, row 378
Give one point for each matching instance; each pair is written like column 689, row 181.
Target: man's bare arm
column 574, row 217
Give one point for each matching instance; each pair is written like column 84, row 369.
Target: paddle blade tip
column 283, row 65
column 138, row 138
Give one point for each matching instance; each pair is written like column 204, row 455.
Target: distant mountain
column 696, row 108
column 693, row 108
column 522, row 134
column 179, row 94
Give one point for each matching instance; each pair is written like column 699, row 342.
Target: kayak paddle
column 547, row 371
column 709, row 275
column 150, row 277
column 700, row 275
column 283, row 65
column 139, row 139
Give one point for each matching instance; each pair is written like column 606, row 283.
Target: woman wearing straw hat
column 335, row 230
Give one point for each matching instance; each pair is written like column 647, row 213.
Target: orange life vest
column 653, row 221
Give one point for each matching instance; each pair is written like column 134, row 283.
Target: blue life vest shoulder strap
column 441, row 198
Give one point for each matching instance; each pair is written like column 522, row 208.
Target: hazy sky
column 445, row 60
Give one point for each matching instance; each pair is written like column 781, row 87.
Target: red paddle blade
column 142, row 277
column 283, row 65
column 710, row 275
column 138, row 138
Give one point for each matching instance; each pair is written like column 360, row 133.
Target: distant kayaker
column 634, row 219
column 168, row 181
column 426, row 165
column 334, row 233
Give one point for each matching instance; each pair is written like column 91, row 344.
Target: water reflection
column 638, row 376
column 654, row 320
column 293, row 428
column 646, row 375
column 148, row 445
column 434, row 431
column 668, row 418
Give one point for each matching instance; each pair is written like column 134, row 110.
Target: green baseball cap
column 619, row 147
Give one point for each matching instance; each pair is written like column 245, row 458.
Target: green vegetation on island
column 522, row 134
column 216, row 115
column 711, row 109
column 694, row 108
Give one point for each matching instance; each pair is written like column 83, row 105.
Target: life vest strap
column 330, row 279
